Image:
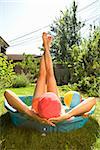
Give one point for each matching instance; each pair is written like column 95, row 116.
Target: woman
column 46, row 83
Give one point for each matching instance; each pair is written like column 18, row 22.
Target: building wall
column 3, row 45
column 62, row 74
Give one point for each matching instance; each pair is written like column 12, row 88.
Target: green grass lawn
column 12, row 138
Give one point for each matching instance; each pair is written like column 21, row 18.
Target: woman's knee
column 7, row 92
column 92, row 100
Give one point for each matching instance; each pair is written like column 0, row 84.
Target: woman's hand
column 46, row 121
column 57, row 119
column 35, row 116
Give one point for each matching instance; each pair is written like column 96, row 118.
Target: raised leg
column 40, row 85
column 41, row 82
column 51, row 82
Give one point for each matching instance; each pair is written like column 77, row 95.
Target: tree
column 66, row 34
column 86, row 68
column 89, row 56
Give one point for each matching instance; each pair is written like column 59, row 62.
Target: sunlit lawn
column 86, row 138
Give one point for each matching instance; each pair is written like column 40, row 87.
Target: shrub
column 30, row 67
column 20, row 81
column 31, row 78
column 6, row 72
column 91, row 85
column 84, row 67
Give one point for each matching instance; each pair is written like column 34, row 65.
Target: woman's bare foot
column 50, row 38
column 45, row 40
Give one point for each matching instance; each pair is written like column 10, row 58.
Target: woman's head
column 49, row 106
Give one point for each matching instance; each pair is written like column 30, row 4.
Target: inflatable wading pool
column 20, row 120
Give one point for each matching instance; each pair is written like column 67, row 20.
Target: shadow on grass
column 12, row 138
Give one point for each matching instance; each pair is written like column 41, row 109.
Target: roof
column 17, row 57
column 3, row 42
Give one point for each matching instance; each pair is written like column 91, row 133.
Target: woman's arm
column 80, row 109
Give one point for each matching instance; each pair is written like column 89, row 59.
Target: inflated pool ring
column 21, row 120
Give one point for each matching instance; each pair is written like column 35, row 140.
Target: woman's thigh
column 40, row 87
column 51, row 85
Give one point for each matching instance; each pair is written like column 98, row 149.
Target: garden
column 81, row 58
